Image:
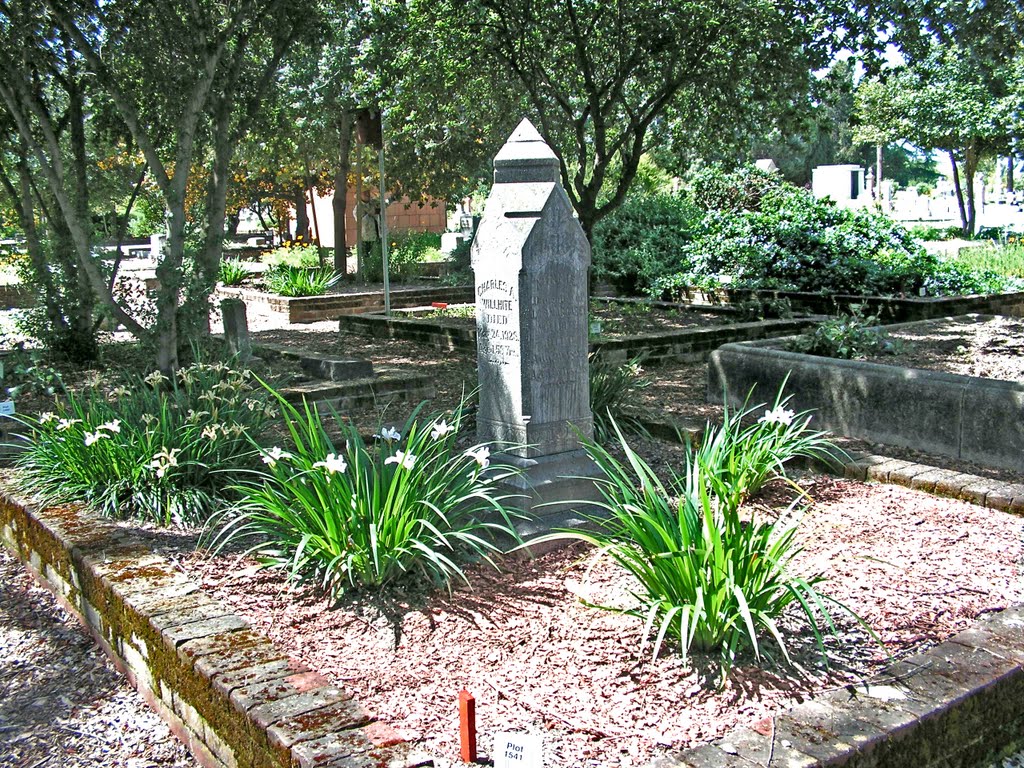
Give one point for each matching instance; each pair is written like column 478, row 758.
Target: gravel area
column 62, row 704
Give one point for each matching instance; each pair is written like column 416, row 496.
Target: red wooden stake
column 467, row 726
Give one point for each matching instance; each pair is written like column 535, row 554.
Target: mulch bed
column 915, row 567
column 987, row 347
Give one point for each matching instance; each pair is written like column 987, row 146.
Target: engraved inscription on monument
column 497, row 321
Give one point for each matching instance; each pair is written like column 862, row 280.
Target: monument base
column 555, row 491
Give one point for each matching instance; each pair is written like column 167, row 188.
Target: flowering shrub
column 354, row 515
column 155, row 449
column 709, row 578
column 750, row 229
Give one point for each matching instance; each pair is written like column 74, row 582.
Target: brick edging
column 951, row 706
column 226, row 691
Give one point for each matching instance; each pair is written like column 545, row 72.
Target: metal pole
column 360, row 249
column 384, row 225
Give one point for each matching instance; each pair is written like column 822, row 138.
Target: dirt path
column 62, row 705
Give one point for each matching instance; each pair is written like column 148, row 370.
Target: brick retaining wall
column 227, row 692
column 312, row 309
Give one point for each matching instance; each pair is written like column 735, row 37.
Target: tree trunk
column 340, row 203
column 301, row 215
column 1009, row 174
column 194, row 316
column 959, row 193
column 971, row 160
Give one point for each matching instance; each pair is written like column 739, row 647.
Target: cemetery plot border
column 964, row 417
column 311, row 309
column 657, row 347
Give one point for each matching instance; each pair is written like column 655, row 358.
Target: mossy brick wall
column 311, row 309
column 232, row 697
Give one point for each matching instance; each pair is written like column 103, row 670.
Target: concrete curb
column 227, row 692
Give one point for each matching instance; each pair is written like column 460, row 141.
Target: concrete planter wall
column 662, row 347
column 970, row 418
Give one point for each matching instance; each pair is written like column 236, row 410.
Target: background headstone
column 531, row 262
column 236, row 328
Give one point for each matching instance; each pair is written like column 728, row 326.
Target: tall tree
column 597, row 76
column 186, row 80
column 947, row 102
column 48, row 113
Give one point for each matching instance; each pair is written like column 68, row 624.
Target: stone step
column 335, row 369
column 387, row 384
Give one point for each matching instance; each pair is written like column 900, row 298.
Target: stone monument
column 531, row 262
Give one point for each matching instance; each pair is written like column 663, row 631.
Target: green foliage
column 929, row 232
column 459, row 312
column 641, row 240
column 763, row 308
column 710, row 577
column 153, row 449
column 26, row 373
column 461, row 271
column 771, row 235
column 405, row 252
column 714, row 189
column 612, row 387
column 846, row 337
column 288, row 280
column 232, row 272
column 348, row 515
column 296, row 254
column 1007, row 260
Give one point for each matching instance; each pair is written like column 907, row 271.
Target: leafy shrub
column 405, row 252
column 349, row 515
column 295, row 254
column 845, row 337
column 929, row 232
column 155, row 449
column 710, row 579
column 26, row 373
column 232, row 272
column 287, row 280
column 755, row 231
column 712, row 189
column 612, row 387
column 642, row 239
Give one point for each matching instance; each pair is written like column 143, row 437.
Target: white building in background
column 846, row 185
